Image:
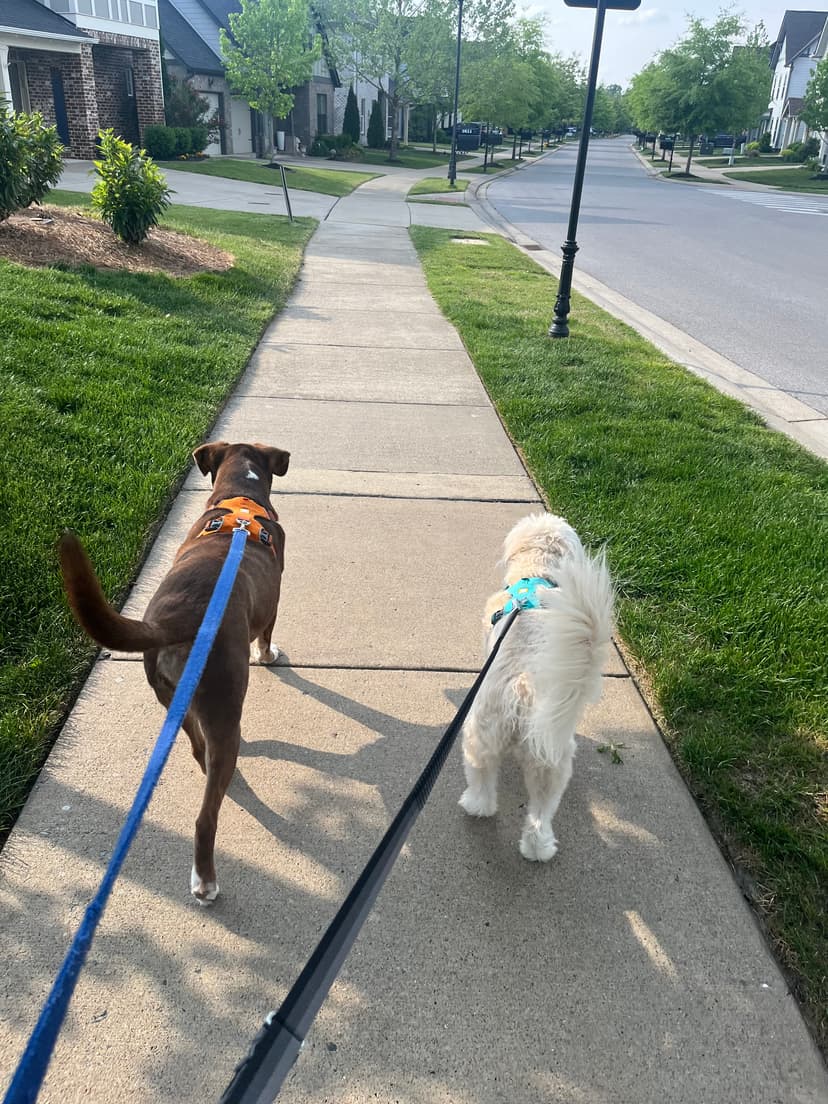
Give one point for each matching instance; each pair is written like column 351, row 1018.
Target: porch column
column 5, row 83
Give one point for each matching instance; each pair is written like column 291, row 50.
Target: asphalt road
column 745, row 272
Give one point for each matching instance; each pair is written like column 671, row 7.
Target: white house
column 793, row 59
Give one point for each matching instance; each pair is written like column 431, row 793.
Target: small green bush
column 376, row 127
column 810, row 148
column 765, row 142
column 132, row 192
column 330, row 145
column 160, row 142
column 183, row 141
column 31, row 160
column 752, row 149
column 198, row 138
column 793, row 152
column 12, row 165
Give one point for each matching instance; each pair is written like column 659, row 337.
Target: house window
column 130, row 83
column 150, row 16
column 362, row 116
column 60, row 6
column 321, row 113
column 84, row 7
column 19, row 86
column 102, row 9
column 136, row 13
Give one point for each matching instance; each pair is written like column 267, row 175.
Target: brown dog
column 242, row 475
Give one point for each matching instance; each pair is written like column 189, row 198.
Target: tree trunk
column 690, row 155
column 393, row 108
column 514, row 143
column 434, row 131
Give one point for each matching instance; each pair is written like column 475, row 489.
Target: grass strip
column 790, row 180
column 107, row 381
column 716, row 530
column 432, row 185
column 408, row 158
column 334, row 182
column 723, row 162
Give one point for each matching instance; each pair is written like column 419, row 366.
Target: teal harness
column 524, row 594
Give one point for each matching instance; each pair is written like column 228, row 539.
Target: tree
column 270, row 51
column 705, row 83
column 376, row 127
column 350, row 123
column 430, row 51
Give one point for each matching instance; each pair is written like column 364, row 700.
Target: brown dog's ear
column 276, row 460
column 210, row 457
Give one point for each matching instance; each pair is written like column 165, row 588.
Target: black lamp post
column 452, row 173
column 560, row 325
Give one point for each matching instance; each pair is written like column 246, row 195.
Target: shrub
column 131, row 192
column 765, row 142
column 44, row 157
column 30, row 160
column 350, row 123
column 183, row 141
column 330, row 145
column 160, row 142
column 376, row 127
column 793, row 152
column 810, row 148
column 12, row 165
column 198, row 138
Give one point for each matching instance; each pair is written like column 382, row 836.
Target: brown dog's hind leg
column 263, row 651
column 222, row 752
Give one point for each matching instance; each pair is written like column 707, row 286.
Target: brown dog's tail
column 92, row 611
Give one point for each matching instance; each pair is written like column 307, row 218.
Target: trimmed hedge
column 165, row 142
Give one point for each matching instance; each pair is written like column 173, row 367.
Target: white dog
column 548, row 668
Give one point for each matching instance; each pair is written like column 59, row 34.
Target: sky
column 631, row 39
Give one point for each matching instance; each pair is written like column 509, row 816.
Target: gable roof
column 221, row 9
column 799, row 28
column 180, row 39
column 29, row 15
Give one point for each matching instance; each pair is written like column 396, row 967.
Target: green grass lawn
column 432, row 185
column 501, row 163
column 408, row 158
column 716, row 529
column 327, row 181
column 792, row 180
column 723, row 162
column 107, row 381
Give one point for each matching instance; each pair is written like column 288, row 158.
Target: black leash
column 259, row 1076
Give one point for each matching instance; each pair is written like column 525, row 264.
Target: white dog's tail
column 564, row 650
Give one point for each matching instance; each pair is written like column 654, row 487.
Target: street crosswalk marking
column 777, row 201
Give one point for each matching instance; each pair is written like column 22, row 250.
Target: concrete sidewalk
column 242, row 195
column 627, row 971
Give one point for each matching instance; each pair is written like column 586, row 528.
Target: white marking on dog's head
column 537, row 544
column 252, row 475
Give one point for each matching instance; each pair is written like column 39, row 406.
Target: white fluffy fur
column 547, row 670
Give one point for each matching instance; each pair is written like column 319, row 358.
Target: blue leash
column 31, row 1070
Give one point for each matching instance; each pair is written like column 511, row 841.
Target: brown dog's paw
column 265, row 656
column 204, row 892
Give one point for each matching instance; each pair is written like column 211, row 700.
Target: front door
column 61, row 118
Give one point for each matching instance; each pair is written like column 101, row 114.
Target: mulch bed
column 58, row 235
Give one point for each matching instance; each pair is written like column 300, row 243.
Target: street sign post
column 560, row 324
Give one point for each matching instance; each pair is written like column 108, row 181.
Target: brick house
column 190, row 32
column 85, row 65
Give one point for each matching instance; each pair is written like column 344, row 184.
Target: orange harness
column 242, row 514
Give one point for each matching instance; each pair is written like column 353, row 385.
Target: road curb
column 780, row 411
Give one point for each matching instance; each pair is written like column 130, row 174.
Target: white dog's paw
column 204, row 892
column 265, row 656
column 478, row 804
column 538, row 846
